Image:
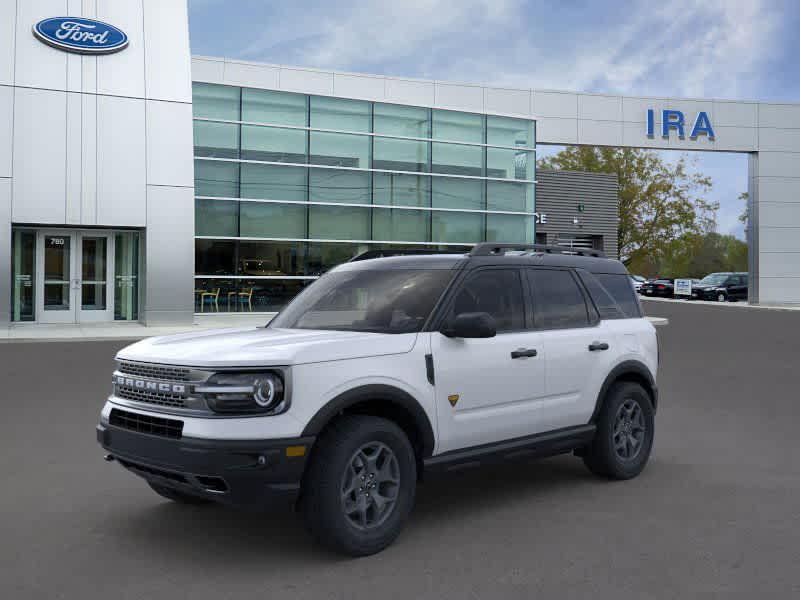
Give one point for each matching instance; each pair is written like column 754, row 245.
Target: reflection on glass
column 400, row 155
column 457, row 126
column 280, row 108
column 516, row 229
column 273, row 182
column 451, row 192
column 457, row 227
column 23, row 253
column 507, row 131
column 341, row 114
column 323, row 256
column 457, row 159
column 335, row 185
column 406, row 121
column 270, row 259
column 216, row 178
column 509, row 164
column 260, row 219
column 510, row 196
column 126, row 276
column 56, row 272
column 339, row 150
column 401, row 190
column 216, row 217
column 93, row 273
column 338, row 222
column 273, row 144
column 215, row 101
column 219, row 140
column 214, row 257
column 401, row 225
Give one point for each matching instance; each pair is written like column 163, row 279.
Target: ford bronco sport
column 387, row 368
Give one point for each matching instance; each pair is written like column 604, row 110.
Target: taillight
column 661, row 287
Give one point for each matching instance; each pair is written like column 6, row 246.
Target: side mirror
column 471, row 325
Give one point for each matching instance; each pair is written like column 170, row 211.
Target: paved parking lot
column 716, row 513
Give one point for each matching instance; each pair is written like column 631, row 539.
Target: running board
column 539, row 445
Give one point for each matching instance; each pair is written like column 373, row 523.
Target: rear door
column 487, row 389
column 578, row 347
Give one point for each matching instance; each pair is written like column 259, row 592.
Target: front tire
column 722, row 297
column 360, row 485
column 624, row 436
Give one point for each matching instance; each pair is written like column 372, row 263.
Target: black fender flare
column 398, row 398
column 627, row 370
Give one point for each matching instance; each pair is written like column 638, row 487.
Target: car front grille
column 170, row 428
column 164, row 372
column 157, row 398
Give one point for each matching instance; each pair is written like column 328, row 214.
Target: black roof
column 535, row 255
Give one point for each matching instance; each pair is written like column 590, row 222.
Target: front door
column 73, row 272
column 488, row 389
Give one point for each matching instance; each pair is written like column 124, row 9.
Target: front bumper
column 245, row 473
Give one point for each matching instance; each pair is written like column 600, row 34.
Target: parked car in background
column 661, row 288
column 638, row 281
column 722, row 287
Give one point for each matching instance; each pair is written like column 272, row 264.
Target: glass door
column 94, row 300
column 56, row 277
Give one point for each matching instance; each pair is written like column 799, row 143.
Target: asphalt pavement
column 716, row 514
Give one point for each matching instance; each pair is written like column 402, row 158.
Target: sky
column 733, row 49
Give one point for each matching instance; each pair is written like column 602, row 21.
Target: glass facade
column 289, row 185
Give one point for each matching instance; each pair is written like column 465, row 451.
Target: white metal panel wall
column 169, row 144
column 6, row 128
column 8, row 25
column 121, row 73
column 167, row 58
column 5, row 248
column 36, row 64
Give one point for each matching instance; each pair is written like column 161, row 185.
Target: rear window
column 620, row 288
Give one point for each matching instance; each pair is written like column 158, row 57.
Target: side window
column 494, row 291
column 558, row 301
column 621, row 290
column 607, row 307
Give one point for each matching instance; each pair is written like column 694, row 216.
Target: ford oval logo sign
column 76, row 34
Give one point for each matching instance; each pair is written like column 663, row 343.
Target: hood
column 256, row 347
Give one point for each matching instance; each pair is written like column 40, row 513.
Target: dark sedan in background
column 661, row 288
column 722, row 287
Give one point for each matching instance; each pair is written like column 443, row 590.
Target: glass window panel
column 457, row 126
column 215, row 101
column 126, row 276
column 57, row 272
column 281, row 108
column 497, row 292
column 220, row 140
column 339, row 222
column 509, row 164
column 214, row 295
column 507, row 131
column 557, row 299
column 272, row 258
column 337, row 113
column 216, row 217
column 259, row 219
column 401, row 190
column 271, row 295
column 323, row 256
column 214, row 178
column 509, row 228
column 452, row 192
column 389, row 224
column 339, row 150
column 407, row 121
column 273, row 182
column 273, row 144
column 23, row 259
column 457, row 159
column 507, row 195
column 93, row 273
column 467, row 228
column 336, row 185
column 400, row 155
column 214, row 257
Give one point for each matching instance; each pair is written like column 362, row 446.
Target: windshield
column 714, row 279
column 389, row 301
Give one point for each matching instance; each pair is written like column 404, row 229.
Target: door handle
column 524, row 353
column 594, row 346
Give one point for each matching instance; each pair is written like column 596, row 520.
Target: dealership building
column 139, row 183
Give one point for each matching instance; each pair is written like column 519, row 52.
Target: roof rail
column 492, row 248
column 398, row 252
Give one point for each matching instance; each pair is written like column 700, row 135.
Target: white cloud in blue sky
column 743, row 49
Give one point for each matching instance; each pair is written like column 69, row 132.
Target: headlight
column 245, row 393
column 720, row 289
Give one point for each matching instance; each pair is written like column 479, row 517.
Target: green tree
column 659, row 201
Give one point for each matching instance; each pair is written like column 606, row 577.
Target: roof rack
column 399, row 252
column 492, row 248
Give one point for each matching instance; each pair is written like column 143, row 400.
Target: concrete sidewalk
column 87, row 332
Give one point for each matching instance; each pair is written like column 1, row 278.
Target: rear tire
column 624, row 437
column 360, row 484
column 175, row 495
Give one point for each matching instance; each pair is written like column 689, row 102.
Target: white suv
column 386, row 368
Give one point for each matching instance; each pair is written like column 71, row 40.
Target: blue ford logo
column 76, row 34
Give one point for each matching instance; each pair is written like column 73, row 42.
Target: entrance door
column 73, row 273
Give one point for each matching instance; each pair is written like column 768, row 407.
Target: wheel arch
column 629, row 370
column 382, row 401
